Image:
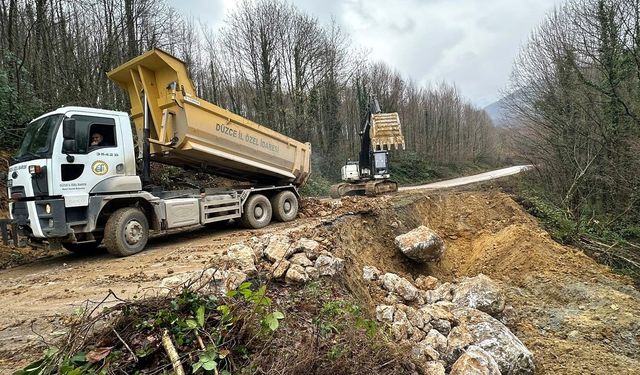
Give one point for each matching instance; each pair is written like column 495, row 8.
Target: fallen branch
column 172, row 353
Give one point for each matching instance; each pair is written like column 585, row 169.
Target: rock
column 389, row 281
column 243, row 256
column 475, row 361
column 436, row 340
column 417, row 335
column 435, row 312
column 296, row 274
column 392, row 299
column 312, row 272
column 446, row 305
column 400, row 330
column 301, row 259
column 226, row 280
column 309, row 247
column 457, row 342
column 479, row 292
column 421, row 244
column 279, row 269
column 441, row 325
column 422, row 351
column 176, row 280
column 433, row 368
column 497, row 340
column 426, row 282
column 509, row 316
column 370, row 273
column 329, row 266
column 406, row 290
column 415, row 318
column 278, row 248
column 258, row 245
column 401, row 286
column 385, row 313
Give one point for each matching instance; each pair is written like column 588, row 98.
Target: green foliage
column 335, row 316
column 317, row 185
column 201, row 327
column 18, row 106
column 553, row 218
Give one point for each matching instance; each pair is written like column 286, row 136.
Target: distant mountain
column 497, row 112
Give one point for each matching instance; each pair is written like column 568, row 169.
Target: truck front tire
column 126, row 232
column 285, row 206
column 257, row 212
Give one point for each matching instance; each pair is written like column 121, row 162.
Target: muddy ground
column 575, row 315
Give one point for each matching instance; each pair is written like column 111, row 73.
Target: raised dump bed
column 188, row 132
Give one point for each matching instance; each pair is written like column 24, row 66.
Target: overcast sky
column 471, row 43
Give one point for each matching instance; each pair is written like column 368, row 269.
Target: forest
column 575, row 97
column 270, row 62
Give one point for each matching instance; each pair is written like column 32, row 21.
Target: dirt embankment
column 574, row 314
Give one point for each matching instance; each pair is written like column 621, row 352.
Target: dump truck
column 370, row 175
column 76, row 180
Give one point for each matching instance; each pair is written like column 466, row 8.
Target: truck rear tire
column 257, row 212
column 285, row 206
column 126, row 232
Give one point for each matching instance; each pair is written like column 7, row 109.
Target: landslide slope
column 574, row 314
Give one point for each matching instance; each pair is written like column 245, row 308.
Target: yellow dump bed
column 187, row 131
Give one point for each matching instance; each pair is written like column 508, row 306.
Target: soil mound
column 573, row 313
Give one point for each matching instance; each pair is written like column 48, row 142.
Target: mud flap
column 9, row 232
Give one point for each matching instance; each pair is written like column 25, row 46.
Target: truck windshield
column 38, row 138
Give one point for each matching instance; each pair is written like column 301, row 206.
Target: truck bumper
column 35, row 221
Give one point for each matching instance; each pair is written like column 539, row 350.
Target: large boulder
column 497, row 340
column 421, row 244
column 475, row 361
column 479, row 292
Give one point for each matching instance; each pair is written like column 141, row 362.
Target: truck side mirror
column 69, row 128
column 69, row 145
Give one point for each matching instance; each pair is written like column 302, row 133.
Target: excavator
column 370, row 174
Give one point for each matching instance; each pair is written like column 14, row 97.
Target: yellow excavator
column 370, row 174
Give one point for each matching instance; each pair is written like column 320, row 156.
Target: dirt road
column 492, row 175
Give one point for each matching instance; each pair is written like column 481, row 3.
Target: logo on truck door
column 99, row 168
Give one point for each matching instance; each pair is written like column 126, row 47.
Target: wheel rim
column 133, row 232
column 258, row 212
column 287, row 206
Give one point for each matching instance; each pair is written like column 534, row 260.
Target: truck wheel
column 285, row 206
column 257, row 212
column 126, row 232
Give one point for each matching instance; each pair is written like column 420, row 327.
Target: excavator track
column 368, row 188
column 378, row 187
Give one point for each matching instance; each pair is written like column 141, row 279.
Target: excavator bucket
column 386, row 131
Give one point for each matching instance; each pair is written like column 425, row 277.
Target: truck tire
column 284, row 205
column 126, row 232
column 257, row 212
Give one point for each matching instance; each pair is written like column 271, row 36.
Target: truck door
column 100, row 157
